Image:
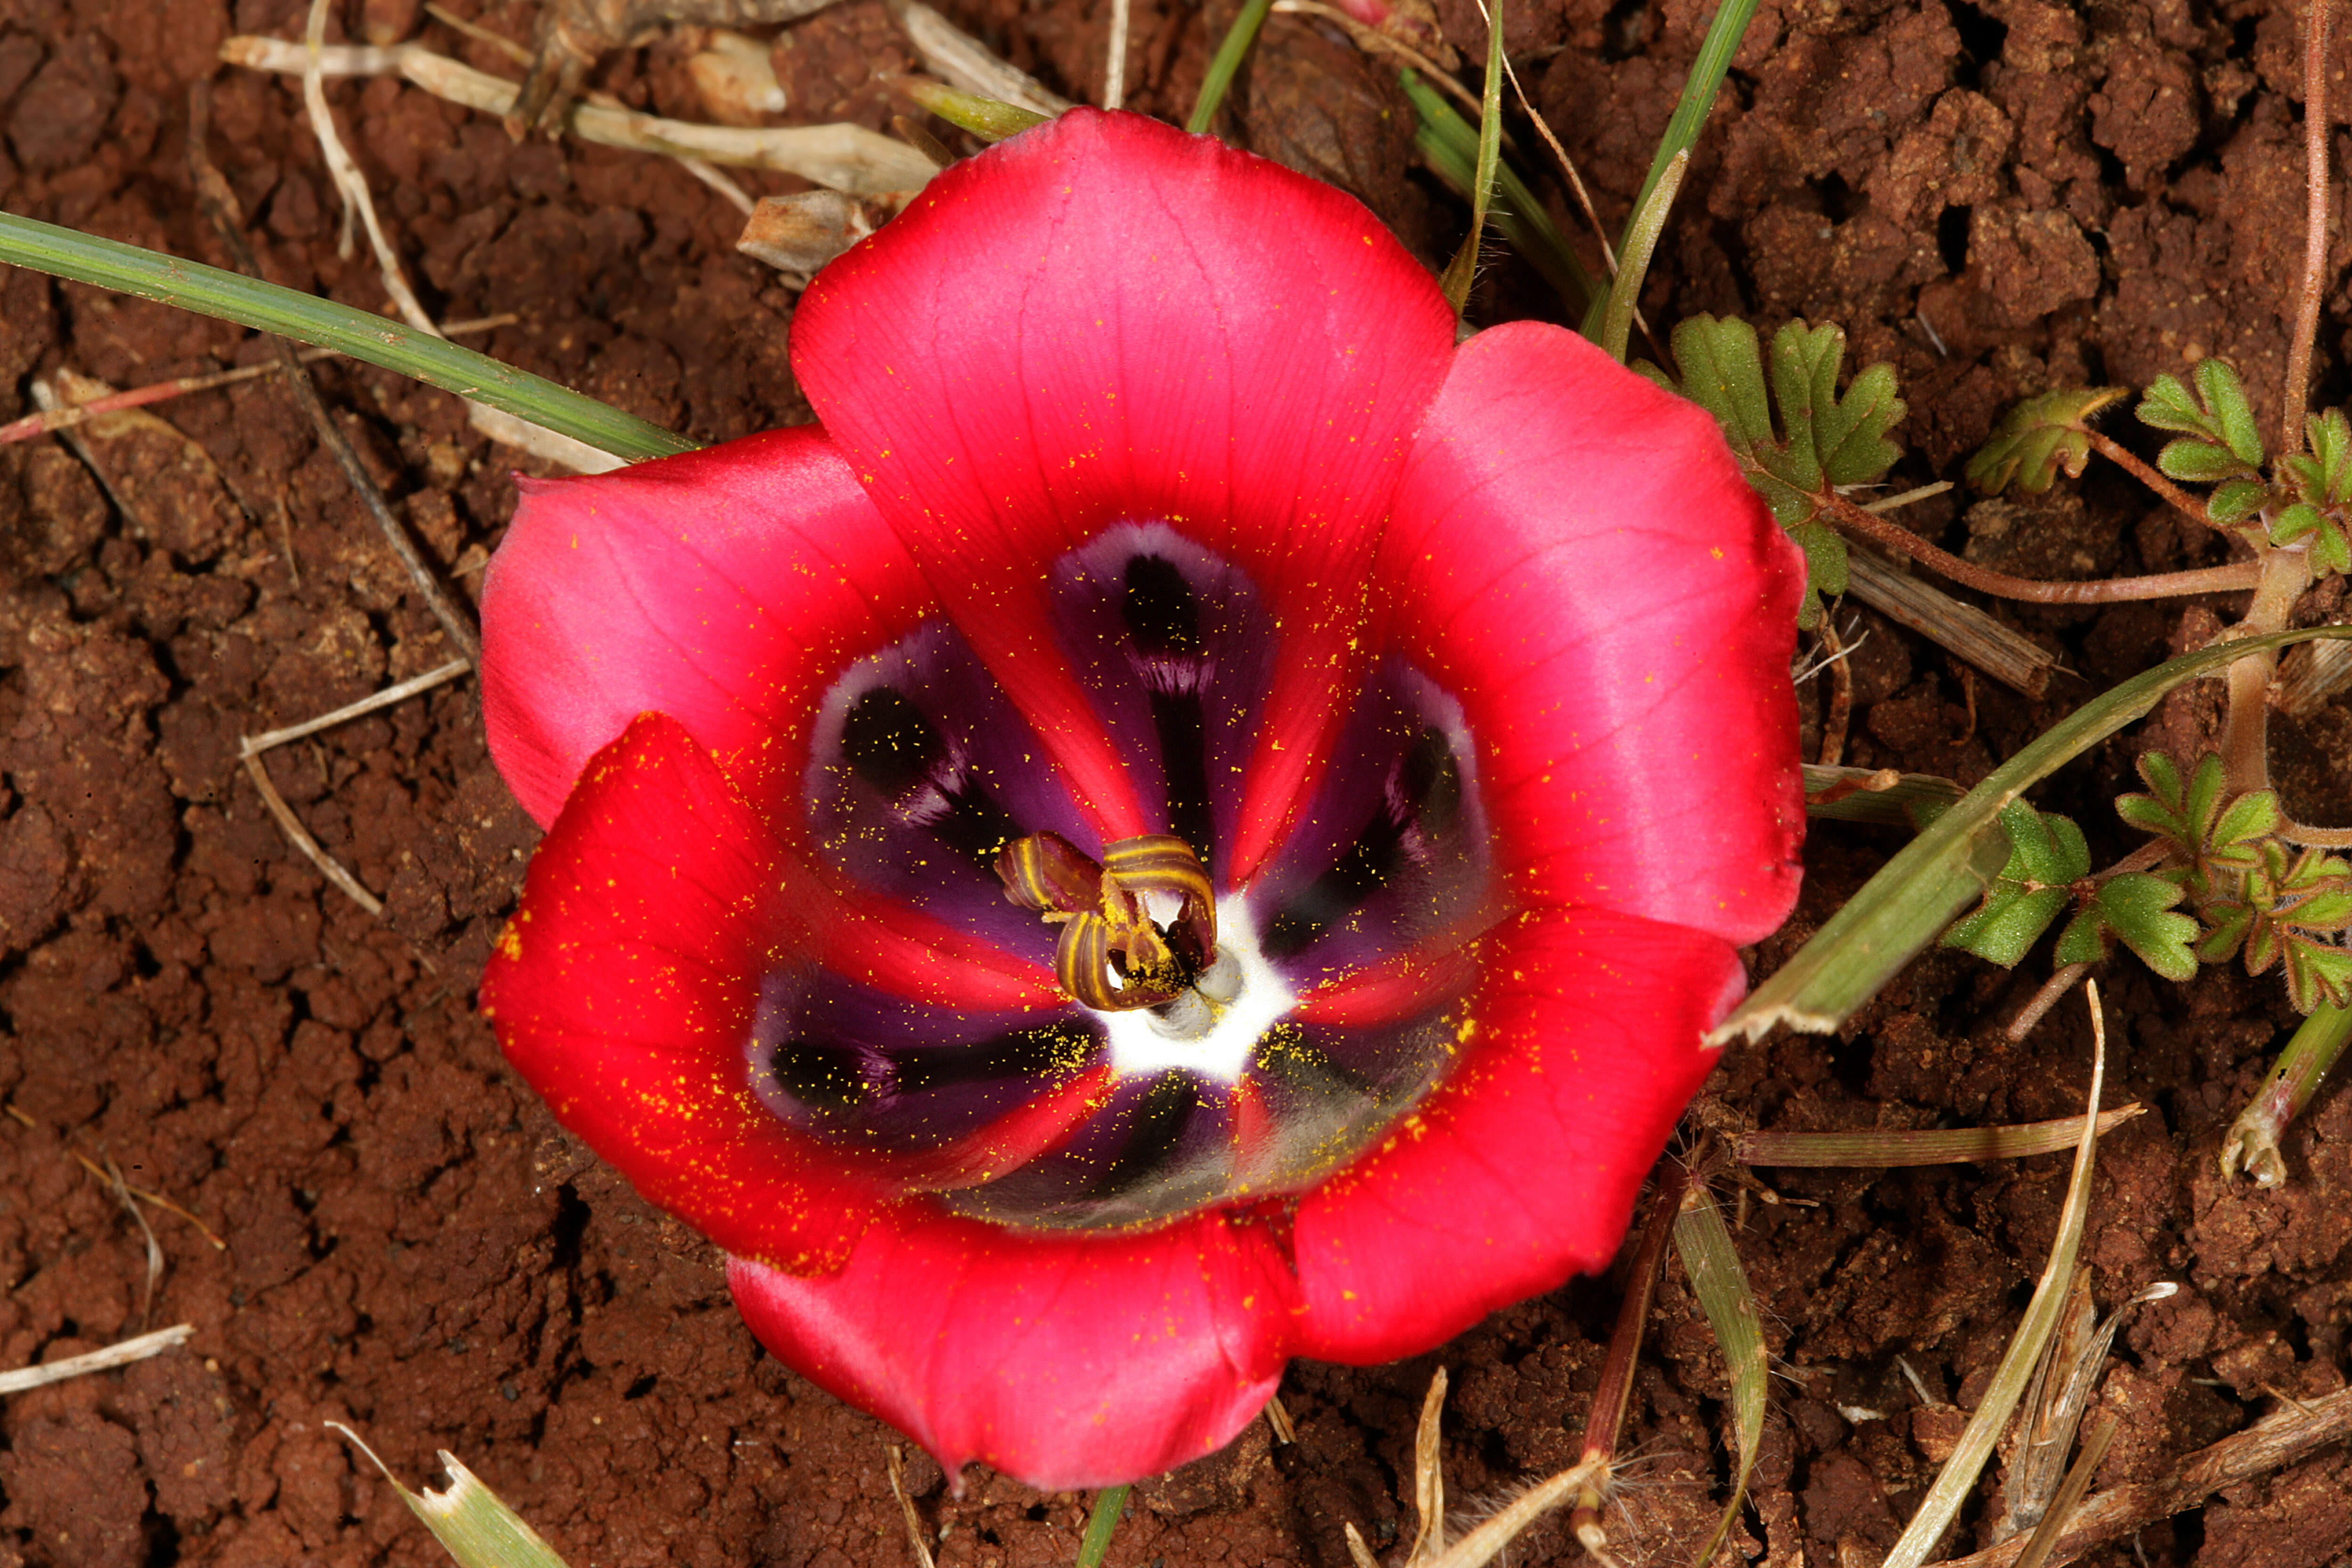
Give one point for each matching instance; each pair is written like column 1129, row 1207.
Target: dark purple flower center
column 926, row 781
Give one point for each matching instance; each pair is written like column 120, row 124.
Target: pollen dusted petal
column 726, row 588
column 1522, row 1168
column 1577, row 556
column 1104, row 320
column 626, row 987
column 1067, row 1361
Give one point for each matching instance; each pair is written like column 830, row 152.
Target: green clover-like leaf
column 2047, row 856
column 1723, row 372
column 2039, row 436
column 2138, row 909
column 2325, row 476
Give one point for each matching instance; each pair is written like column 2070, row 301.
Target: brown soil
column 2058, row 195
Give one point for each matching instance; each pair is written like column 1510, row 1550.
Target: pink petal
column 1066, row 1360
column 726, row 587
column 1522, row 1169
column 625, row 988
column 1575, row 554
column 1105, row 319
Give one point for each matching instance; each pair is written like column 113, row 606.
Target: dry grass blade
column 2274, row 1441
column 847, row 157
column 2311, row 674
column 1958, row 1478
column 253, row 745
column 1967, row 632
column 1704, row 1243
column 1939, row 1146
column 1360, row 1553
column 1277, row 1416
column 1428, row 1476
column 299, row 837
column 123, row 1354
column 142, row 1194
column 922, row 1547
column 2034, row 1488
column 965, row 62
column 2069, row 1498
column 1486, row 1543
column 467, row 1519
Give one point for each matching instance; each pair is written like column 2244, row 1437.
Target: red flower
column 1152, row 497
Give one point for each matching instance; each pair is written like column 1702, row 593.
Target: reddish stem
column 2125, row 458
column 2235, row 577
column 2314, row 228
column 1840, row 712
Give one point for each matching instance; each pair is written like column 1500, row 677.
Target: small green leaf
column 2225, row 398
column 2234, row 500
column 2331, row 551
column 2323, row 912
column 2295, row 523
column 2038, row 438
column 2085, row 939
column 2252, row 815
column 1723, row 373
column 2318, row 974
column 2197, row 462
column 2230, row 924
column 2168, row 405
column 1804, row 369
column 2138, row 908
column 2009, row 923
column 1852, row 433
column 2049, row 849
column 983, row 117
column 2331, row 446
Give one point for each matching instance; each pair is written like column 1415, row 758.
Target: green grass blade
column 468, row 1520
column 1110, row 1504
column 1704, row 1243
column 209, row 292
column 1948, row 866
column 1449, row 144
column 1633, row 257
column 1464, row 269
column 1229, row 55
column 1706, row 79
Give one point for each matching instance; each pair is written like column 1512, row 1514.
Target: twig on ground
column 254, row 746
column 65, row 416
column 2009, row 656
column 1115, row 67
column 897, row 1468
column 2038, row 1006
column 123, row 1354
column 300, row 836
column 1840, row 710
column 2123, row 458
column 220, row 204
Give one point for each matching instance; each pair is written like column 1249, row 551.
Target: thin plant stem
column 1841, row 705
column 1229, row 57
column 2252, row 1144
column 299, row 837
column 1373, row 38
column 2123, row 458
column 2314, row 228
column 1110, row 1503
column 2311, row 837
column 2245, row 723
column 2235, row 577
column 252, row 745
column 1615, row 1390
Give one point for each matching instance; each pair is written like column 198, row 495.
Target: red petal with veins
column 726, row 588
column 1068, row 1361
column 1575, row 554
column 1522, row 1168
column 1106, row 320
column 625, row 988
